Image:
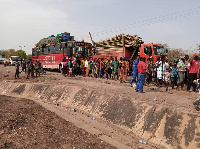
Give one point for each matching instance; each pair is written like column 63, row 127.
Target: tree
column 8, row 52
column 11, row 52
column 21, row 54
column 29, row 56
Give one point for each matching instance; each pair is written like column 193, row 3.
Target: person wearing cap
column 135, row 70
column 193, row 70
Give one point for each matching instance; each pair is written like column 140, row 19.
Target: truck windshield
column 82, row 51
column 159, row 50
column 15, row 58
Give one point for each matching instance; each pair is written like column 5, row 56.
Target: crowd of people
column 29, row 68
column 177, row 74
column 110, row 69
column 181, row 72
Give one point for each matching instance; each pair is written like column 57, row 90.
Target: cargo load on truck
column 52, row 50
column 129, row 46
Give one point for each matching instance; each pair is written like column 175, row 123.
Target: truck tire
column 60, row 69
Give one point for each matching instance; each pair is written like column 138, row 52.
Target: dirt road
column 25, row 124
column 178, row 100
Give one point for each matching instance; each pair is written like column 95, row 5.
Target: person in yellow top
column 83, row 67
column 124, row 75
column 127, row 65
column 120, row 61
column 127, row 68
column 120, row 71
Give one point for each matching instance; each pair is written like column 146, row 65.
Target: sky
column 173, row 22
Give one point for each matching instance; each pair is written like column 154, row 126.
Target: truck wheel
column 60, row 68
column 44, row 71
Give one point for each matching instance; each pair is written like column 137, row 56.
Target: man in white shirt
column 181, row 72
column 86, row 66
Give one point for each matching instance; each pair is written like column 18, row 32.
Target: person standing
column 142, row 67
column 83, row 67
column 124, row 72
column 101, row 75
column 24, row 66
column 4, row 62
column 70, row 65
column 119, row 67
column 93, row 68
column 161, row 70
column 115, row 69
column 97, row 68
column 28, row 70
column 17, row 70
column 78, row 65
column 74, row 67
column 193, row 70
column 127, row 68
column 186, row 57
column 135, row 70
column 149, row 70
column 87, row 67
column 111, row 69
column 90, row 68
column 64, row 67
column 166, row 63
column 174, row 76
column 182, row 66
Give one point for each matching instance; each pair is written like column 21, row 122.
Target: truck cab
column 13, row 59
column 152, row 50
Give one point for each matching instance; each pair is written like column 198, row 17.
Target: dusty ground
column 25, row 124
column 178, row 100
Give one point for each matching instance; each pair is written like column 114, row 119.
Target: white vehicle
column 13, row 59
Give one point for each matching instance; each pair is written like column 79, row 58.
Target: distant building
column 2, row 57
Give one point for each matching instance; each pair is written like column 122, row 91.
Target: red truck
column 142, row 50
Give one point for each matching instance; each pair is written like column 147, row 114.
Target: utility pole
column 123, row 42
column 93, row 43
column 21, row 47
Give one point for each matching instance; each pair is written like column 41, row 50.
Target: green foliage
column 21, row 54
column 8, row 52
column 29, row 56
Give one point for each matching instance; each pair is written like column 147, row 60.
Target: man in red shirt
column 193, row 70
column 101, row 75
column 142, row 67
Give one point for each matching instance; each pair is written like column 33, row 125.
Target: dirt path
column 25, row 124
column 178, row 100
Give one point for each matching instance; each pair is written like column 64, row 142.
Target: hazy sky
column 25, row 22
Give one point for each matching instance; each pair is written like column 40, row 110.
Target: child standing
column 167, row 78
column 90, row 68
column 174, row 76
